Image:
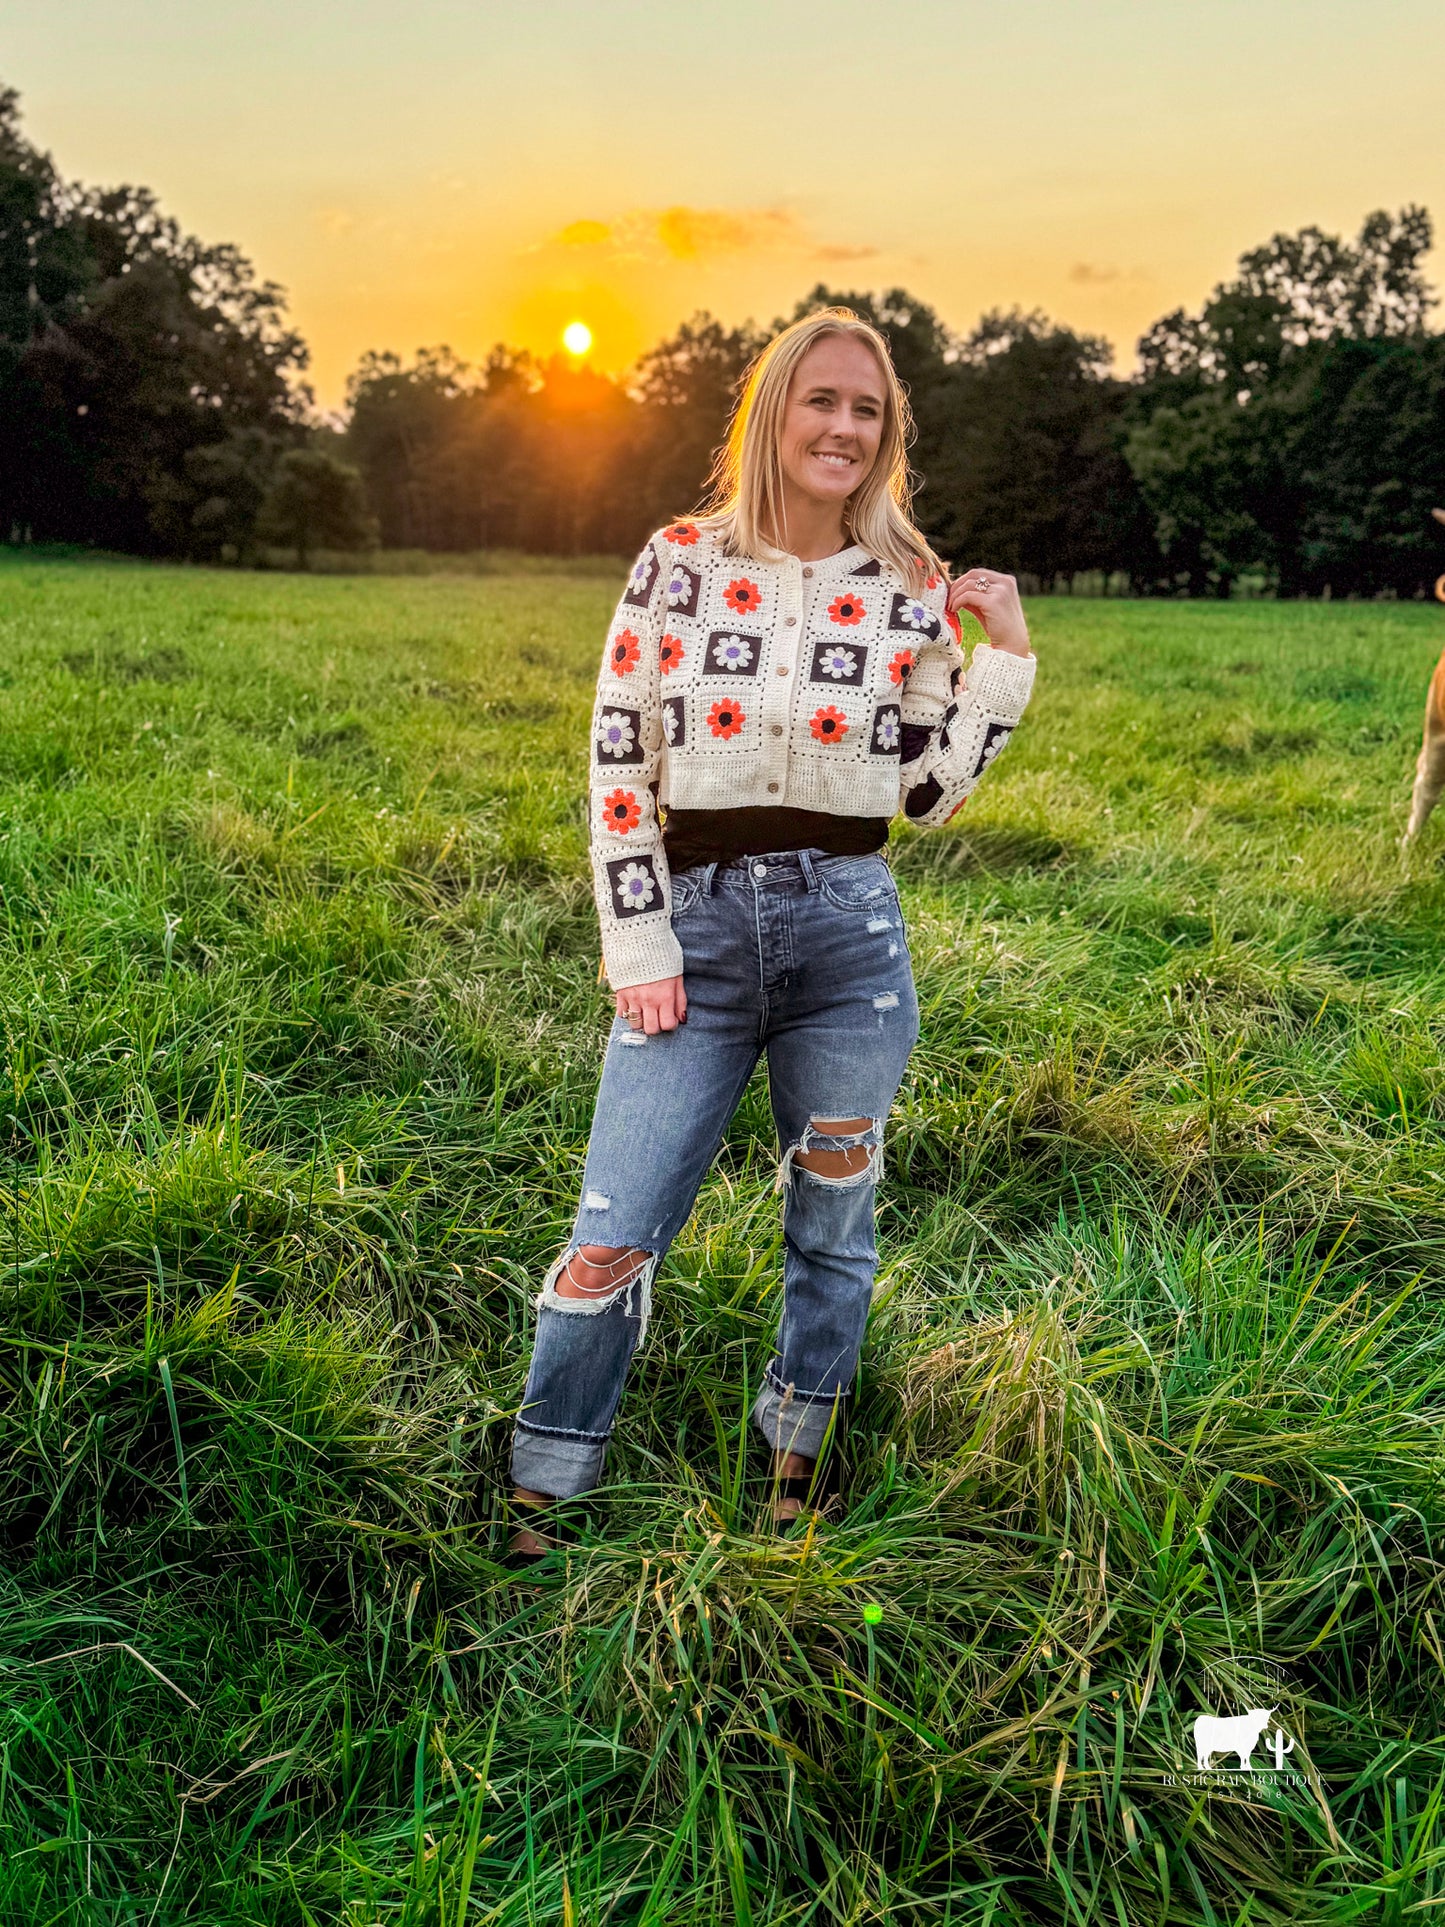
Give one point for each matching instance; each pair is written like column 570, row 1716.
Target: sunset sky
column 468, row 173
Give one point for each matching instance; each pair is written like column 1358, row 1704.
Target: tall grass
column 301, row 1034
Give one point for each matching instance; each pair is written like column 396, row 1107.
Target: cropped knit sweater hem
column 754, row 682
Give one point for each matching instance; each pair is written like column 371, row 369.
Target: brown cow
column 1430, row 769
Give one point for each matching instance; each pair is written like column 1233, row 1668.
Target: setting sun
column 577, row 338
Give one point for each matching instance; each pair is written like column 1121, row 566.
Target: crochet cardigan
column 829, row 685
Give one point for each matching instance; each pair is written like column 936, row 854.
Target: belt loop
column 708, row 872
column 808, row 871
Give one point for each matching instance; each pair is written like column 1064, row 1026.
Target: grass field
column 301, row 1033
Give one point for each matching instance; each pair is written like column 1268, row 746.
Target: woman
column 786, row 672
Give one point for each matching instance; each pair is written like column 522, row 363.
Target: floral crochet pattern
column 887, row 733
column 837, row 662
column 908, row 614
column 855, row 700
column 617, row 735
column 634, row 885
column 732, row 652
column 625, row 651
column 725, row 718
column 621, row 811
column 639, row 583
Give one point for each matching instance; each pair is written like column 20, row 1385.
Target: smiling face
column 832, row 421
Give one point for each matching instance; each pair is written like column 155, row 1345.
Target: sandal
column 817, row 1489
column 554, row 1519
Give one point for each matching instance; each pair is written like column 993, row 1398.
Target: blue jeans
column 804, row 956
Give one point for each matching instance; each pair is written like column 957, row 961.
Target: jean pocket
column 859, row 883
column 686, row 889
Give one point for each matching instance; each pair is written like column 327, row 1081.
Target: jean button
column 760, row 869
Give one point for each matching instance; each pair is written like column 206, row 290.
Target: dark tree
column 687, row 387
column 1233, row 424
column 126, row 345
column 315, row 502
column 1028, row 470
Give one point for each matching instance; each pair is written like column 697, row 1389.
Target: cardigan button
column 782, row 669
column 777, row 729
column 772, row 789
column 807, row 572
column 789, row 621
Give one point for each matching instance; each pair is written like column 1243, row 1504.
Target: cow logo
column 1240, row 1735
column 1226, row 1746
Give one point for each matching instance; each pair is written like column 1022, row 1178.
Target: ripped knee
column 836, row 1151
column 592, row 1271
column 591, row 1278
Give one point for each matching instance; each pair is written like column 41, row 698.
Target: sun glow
column 577, row 338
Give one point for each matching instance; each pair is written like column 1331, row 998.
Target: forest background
column 1288, row 439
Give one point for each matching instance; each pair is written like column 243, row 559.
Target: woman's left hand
column 994, row 599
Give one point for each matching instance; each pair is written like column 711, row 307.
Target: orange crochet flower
column 742, row 595
column 829, row 724
column 683, row 533
column 620, row 811
column 846, row 609
column 901, row 665
column 725, row 718
column 934, row 582
column 670, row 654
column 625, row 651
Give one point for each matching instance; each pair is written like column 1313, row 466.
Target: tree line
column 1290, row 434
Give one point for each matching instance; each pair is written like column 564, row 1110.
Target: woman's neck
column 814, row 529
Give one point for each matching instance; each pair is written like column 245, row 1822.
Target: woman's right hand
column 653, row 1007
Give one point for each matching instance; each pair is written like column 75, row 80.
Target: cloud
column 690, row 233
column 1093, row 274
column 842, row 252
column 583, row 234
column 682, row 233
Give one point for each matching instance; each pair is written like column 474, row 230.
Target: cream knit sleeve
column 954, row 725
column 629, row 870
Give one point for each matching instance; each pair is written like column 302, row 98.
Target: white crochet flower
column 837, row 662
column 634, row 886
column 679, row 587
column 915, row 614
column 669, row 723
column 732, row 652
column 614, row 734
column 642, row 572
column 886, row 734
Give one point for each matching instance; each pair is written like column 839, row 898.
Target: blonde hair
column 745, row 500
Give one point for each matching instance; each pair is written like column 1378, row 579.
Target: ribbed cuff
column 1001, row 681
column 638, row 955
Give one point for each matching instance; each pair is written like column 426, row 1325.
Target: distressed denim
column 800, row 955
